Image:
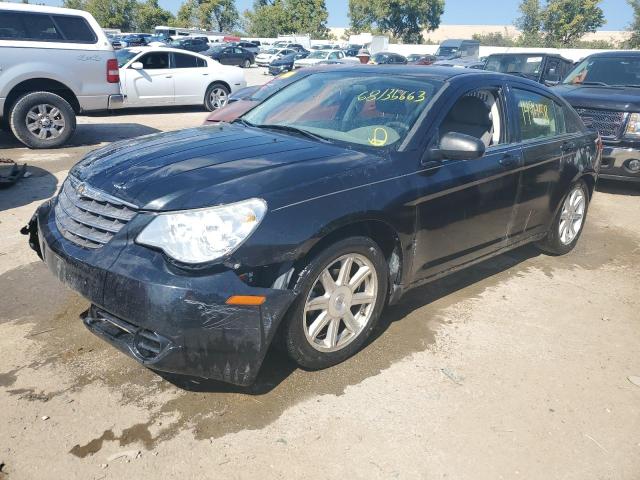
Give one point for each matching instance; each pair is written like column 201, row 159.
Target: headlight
column 204, row 235
column 633, row 126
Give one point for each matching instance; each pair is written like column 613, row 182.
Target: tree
column 494, row 39
column 634, row 28
column 530, row 19
column 272, row 17
column 149, row 14
column 220, row 15
column 403, row 19
column 566, row 21
column 108, row 13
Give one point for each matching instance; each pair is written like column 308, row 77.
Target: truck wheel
column 217, row 96
column 42, row 120
column 567, row 226
column 342, row 292
column 246, row 63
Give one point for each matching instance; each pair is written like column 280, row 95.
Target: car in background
column 230, row 55
column 286, row 63
column 458, row 49
column 136, row 39
column 301, row 221
column 199, row 44
column 319, row 56
column 546, row 68
column 605, row 91
column 116, row 41
column 245, row 99
column 352, row 49
column 162, row 76
column 290, row 46
column 421, row 59
column 55, row 63
column 263, row 59
column 158, row 41
column 387, row 58
column 249, row 46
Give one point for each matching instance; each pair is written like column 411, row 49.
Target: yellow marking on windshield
column 379, row 137
column 392, row 95
column 532, row 110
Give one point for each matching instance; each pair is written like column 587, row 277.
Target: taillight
column 113, row 73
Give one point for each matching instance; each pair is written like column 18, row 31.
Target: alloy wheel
column 572, row 216
column 340, row 303
column 218, row 98
column 45, row 121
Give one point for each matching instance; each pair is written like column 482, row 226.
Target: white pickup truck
column 55, row 63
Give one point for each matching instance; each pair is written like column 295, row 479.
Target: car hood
column 211, row 165
column 606, row 98
column 309, row 61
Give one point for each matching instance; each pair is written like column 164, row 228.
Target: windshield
column 413, row 57
column 318, row 54
column 373, row 109
column 124, row 55
column 606, row 71
column 278, row 83
column 447, row 51
column 271, row 51
column 379, row 57
column 527, row 65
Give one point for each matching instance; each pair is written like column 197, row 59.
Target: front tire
column 42, row 120
column 568, row 223
column 342, row 292
column 217, row 96
column 246, row 63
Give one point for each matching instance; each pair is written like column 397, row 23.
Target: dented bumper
column 168, row 320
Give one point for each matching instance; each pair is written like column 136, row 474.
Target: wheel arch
column 41, row 84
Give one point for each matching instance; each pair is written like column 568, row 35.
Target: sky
column 618, row 13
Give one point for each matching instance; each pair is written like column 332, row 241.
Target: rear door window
column 185, row 61
column 537, row 115
column 75, row 29
column 155, row 61
column 45, row 28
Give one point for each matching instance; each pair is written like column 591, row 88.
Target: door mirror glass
column 458, row 146
column 137, row 66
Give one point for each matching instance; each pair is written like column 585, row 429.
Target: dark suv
column 545, row 68
column 605, row 90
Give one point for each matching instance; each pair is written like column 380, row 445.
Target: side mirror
column 137, row 66
column 458, row 146
column 551, row 83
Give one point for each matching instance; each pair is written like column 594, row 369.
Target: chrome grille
column 88, row 217
column 608, row 123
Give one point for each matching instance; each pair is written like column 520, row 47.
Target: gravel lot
column 515, row 368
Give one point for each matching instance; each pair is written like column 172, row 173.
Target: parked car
column 191, row 44
column 243, row 100
column 421, row 59
column 160, row 76
column 546, row 68
column 605, row 90
column 290, row 46
column 55, row 63
column 458, row 49
column 311, row 212
column 265, row 58
column 318, row 56
column 136, row 39
column 387, row 58
column 249, row 46
column 286, row 63
column 231, row 56
column 116, row 41
column 352, row 50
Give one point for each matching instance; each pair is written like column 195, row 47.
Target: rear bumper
column 278, row 69
column 615, row 164
column 166, row 320
column 116, row 101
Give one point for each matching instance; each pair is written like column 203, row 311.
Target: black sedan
column 230, row 55
column 285, row 63
column 306, row 216
column 199, row 44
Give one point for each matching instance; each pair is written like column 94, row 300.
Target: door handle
column 169, row 76
column 205, row 74
column 507, row 160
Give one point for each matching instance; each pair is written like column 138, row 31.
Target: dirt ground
column 516, row 368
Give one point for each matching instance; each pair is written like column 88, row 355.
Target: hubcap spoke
column 332, row 332
column 345, row 271
column 318, row 324
column 350, row 322
column 362, row 273
column 572, row 216
column 318, row 303
column 362, row 298
column 328, row 282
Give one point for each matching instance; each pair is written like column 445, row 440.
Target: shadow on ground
column 39, row 185
column 618, row 188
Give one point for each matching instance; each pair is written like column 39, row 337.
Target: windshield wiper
column 626, row 86
column 243, row 122
column 598, row 84
column 289, row 128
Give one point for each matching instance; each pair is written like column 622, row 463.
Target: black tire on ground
column 295, row 341
column 20, row 110
column 246, row 63
column 208, row 104
column 552, row 244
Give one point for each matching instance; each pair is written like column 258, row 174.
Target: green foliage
column 494, row 39
column 634, row 28
column 566, row 21
column 269, row 18
column 149, row 14
column 220, row 15
column 530, row 19
column 402, row 19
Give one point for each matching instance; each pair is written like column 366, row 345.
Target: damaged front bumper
column 168, row 320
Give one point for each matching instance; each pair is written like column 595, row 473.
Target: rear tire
column 568, row 223
column 332, row 318
column 217, row 96
column 246, row 63
column 42, row 120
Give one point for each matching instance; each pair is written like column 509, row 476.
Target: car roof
column 617, row 53
column 25, row 7
column 163, row 49
column 453, row 42
column 537, row 54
